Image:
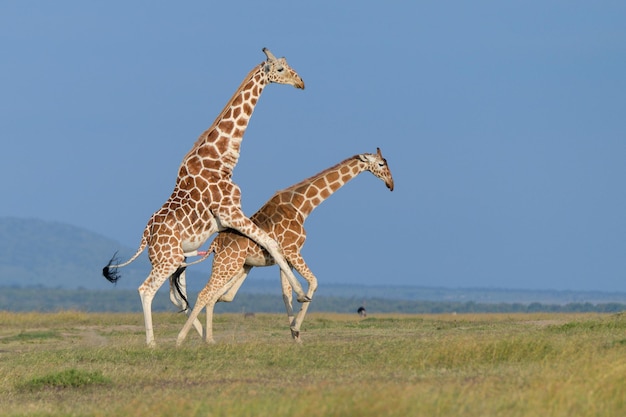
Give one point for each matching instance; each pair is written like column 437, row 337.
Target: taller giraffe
column 205, row 199
column 283, row 218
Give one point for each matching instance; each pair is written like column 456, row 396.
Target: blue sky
column 504, row 124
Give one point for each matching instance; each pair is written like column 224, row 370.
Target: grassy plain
column 94, row 364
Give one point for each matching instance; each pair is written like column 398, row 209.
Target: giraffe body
column 205, row 199
column 282, row 217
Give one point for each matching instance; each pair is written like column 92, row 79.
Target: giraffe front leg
column 289, row 275
column 287, row 299
column 295, row 326
column 300, row 265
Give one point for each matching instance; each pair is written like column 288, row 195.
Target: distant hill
column 37, row 253
column 57, row 255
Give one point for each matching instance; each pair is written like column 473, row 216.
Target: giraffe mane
column 226, row 108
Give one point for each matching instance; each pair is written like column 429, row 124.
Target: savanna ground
column 93, row 364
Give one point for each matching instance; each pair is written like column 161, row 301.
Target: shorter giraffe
column 282, row 217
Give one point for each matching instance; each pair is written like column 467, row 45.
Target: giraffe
column 282, row 217
column 205, row 199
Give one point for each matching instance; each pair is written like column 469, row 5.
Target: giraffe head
column 278, row 71
column 377, row 165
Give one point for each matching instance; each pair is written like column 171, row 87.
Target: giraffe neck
column 217, row 149
column 310, row 193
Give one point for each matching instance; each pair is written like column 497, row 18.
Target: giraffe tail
column 176, row 281
column 176, row 275
column 110, row 270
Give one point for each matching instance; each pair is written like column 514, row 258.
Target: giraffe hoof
column 305, row 299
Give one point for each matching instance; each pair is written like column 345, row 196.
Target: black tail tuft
column 175, row 279
column 109, row 273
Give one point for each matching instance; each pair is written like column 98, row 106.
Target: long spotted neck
column 306, row 195
column 216, row 151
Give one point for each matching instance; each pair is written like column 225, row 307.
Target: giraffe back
column 283, row 215
column 282, row 223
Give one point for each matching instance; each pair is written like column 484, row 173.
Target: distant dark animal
column 362, row 311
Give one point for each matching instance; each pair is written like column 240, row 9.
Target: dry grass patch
column 392, row 365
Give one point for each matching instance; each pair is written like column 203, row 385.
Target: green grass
column 31, row 336
column 70, row 378
column 78, row 364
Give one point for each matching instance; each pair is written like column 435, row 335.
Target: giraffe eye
column 280, row 69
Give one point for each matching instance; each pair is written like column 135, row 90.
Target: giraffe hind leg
column 295, row 258
column 158, row 275
column 234, row 285
column 206, row 298
column 246, row 227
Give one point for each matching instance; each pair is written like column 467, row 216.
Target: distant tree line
column 47, row 300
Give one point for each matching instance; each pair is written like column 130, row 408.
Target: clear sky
column 504, row 124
